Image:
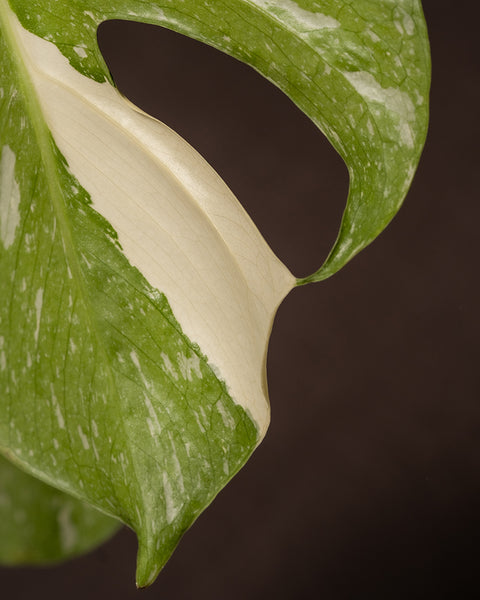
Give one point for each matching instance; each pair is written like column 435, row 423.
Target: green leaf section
column 39, row 524
column 102, row 395
column 360, row 70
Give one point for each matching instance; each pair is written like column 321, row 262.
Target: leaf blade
column 315, row 74
column 39, row 524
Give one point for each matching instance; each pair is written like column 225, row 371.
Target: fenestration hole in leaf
column 281, row 168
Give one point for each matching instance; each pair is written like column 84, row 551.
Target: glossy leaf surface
column 138, row 295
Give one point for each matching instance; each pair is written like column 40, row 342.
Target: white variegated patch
column 394, row 100
column 176, row 220
column 298, row 18
column 9, row 197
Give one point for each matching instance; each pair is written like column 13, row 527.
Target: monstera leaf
column 137, row 297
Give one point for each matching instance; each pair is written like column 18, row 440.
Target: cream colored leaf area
column 176, row 220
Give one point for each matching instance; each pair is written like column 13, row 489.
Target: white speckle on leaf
column 9, row 197
column 136, row 362
column 406, row 135
column 226, row 467
column 160, row 14
column 189, row 365
column 197, row 419
column 168, row 367
column 38, row 310
column 171, row 509
column 153, row 422
column 300, row 19
column 123, row 462
column 372, row 35
column 81, row 52
column 134, row 357
column 86, row 261
column 83, row 437
column 227, row 419
column 408, row 24
column 410, row 173
column 419, row 98
column 176, row 465
column 95, row 451
column 56, row 407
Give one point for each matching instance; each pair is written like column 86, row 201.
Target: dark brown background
column 367, row 483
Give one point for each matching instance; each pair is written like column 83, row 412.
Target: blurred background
column 367, row 483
